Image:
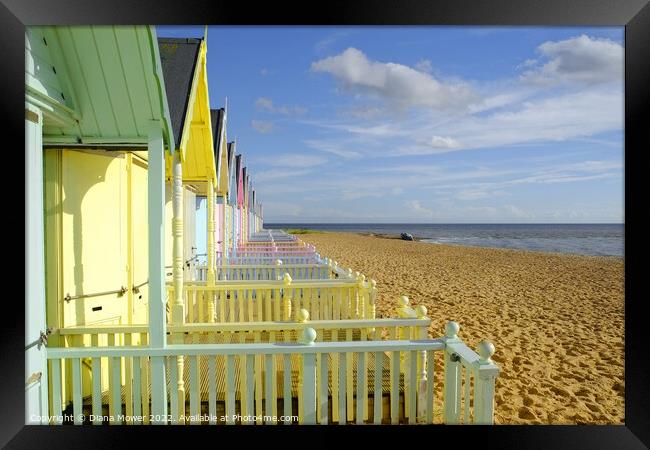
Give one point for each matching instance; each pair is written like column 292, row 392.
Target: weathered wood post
column 486, row 373
column 421, row 312
column 178, row 308
column 286, row 297
column 451, row 411
column 157, row 291
column 211, row 249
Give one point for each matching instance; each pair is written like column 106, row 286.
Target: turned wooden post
column 372, row 296
column 277, row 269
column 451, row 412
column 286, row 297
column 360, row 311
column 178, row 308
column 211, row 248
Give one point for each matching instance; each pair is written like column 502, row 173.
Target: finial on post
column 309, row 336
column 421, row 311
column 405, row 311
column 451, row 329
column 302, row 316
column 278, row 262
column 485, row 350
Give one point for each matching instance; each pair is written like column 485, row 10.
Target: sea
column 583, row 239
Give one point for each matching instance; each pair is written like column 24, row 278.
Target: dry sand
column 557, row 321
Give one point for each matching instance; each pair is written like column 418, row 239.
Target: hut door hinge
column 41, row 341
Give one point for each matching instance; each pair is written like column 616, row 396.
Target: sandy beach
column 557, row 320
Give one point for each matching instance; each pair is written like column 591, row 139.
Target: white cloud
column 478, row 194
column 333, row 149
column 424, row 65
column 327, row 41
column 365, row 112
column 295, row 160
column 355, row 195
column 283, row 209
column 400, row 85
column 416, row 207
column 264, row 71
column 528, row 63
column 444, row 142
column 580, row 59
column 275, row 174
column 517, row 213
column 266, row 104
column 559, row 118
column 262, row 126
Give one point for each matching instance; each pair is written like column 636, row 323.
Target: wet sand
column 557, row 320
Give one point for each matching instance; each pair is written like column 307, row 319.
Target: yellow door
column 94, row 244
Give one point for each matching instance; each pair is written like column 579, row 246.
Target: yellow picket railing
column 270, row 300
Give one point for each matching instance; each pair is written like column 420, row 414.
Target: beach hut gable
column 184, row 66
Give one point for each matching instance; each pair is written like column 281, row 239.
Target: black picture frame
column 633, row 14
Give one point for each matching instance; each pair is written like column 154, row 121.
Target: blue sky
column 424, row 124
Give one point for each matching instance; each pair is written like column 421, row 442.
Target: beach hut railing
column 327, row 330
column 321, row 270
column 469, row 380
column 266, row 272
column 255, row 381
column 312, row 258
column 276, row 300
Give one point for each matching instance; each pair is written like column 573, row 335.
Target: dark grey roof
column 237, row 168
column 178, row 57
column 231, row 150
column 216, row 120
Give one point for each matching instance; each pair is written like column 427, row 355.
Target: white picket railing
column 332, row 381
column 266, row 272
column 320, row 268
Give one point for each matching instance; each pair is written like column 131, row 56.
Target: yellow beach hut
column 97, row 123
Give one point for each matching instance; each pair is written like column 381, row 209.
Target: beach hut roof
column 231, row 152
column 96, row 84
column 179, row 58
column 217, row 117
